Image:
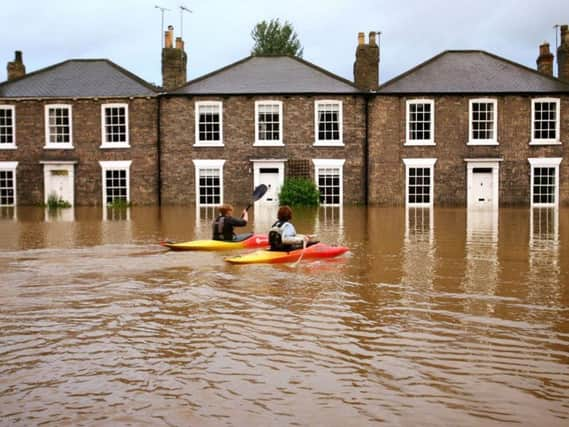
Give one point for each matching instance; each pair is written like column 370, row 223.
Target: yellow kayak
column 254, row 241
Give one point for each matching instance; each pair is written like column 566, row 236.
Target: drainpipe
column 158, row 148
column 366, row 150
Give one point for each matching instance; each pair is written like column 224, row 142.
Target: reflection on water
column 435, row 317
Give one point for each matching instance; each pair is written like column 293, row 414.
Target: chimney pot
column 361, row 39
column 372, row 38
column 174, row 61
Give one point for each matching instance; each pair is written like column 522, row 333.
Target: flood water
column 434, row 317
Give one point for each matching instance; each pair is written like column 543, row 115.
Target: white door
column 270, row 173
column 270, row 177
column 482, row 187
column 58, row 181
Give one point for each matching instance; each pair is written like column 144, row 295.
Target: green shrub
column 299, row 192
column 55, row 202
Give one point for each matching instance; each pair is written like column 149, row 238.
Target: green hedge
column 299, row 192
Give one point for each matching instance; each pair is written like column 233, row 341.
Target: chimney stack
column 563, row 55
column 16, row 68
column 174, row 61
column 545, row 60
column 366, row 67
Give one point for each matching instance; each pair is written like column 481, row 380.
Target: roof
column 78, row 78
column 471, row 71
column 269, row 75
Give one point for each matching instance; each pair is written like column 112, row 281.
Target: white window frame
column 12, row 145
column 420, row 163
column 115, row 165
column 328, row 142
column 419, row 142
column 330, row 164
column 11, row 167
column 208, row 164
column 109, row 144
column 58, row 145
column 274, row 142
column 544, row 162
column 471, row 140
column 205, row 143
column 540, row 141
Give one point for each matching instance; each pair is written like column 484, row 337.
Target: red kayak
column 319, row 250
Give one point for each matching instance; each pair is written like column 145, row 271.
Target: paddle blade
column 259, row 192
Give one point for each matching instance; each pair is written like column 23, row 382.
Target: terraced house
column 465, row 128
column 84, row 131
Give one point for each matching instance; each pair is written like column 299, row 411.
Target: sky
column 218, row 32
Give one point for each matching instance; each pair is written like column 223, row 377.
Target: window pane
column 419, row 185
column 329, row 185
column 328, row 115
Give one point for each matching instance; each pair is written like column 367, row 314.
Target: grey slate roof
column 269, row 75
column 78, row 78
column 467, row 71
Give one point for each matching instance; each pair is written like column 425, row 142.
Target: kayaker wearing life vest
column 224, row 223
column 282, row 235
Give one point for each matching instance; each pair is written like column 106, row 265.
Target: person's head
column 225, row 209
column 284, row 214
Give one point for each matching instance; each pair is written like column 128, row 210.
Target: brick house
column 465, row 128
column 468, row 128
column 258, row 121
column 84, row 131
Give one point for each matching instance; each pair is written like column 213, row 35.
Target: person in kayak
column 283, row 236
column 224, row 223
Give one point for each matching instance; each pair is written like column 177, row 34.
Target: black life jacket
column 276, row 238
column 221, row 230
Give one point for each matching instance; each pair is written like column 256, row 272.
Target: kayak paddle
column 258, row 192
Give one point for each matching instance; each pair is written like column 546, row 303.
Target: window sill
column 545, row 142
column 482, row 143
column 265, row 144
column 211, row 144
column 58, row 147
column 8, row 147
column 329, row 144
column 111, row 146
column 419, row 144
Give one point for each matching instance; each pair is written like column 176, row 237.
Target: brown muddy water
column 441, row 317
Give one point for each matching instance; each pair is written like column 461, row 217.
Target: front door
column 482, row 186
column 270, row 173
column 482, row 183
column 270, row 177
column 58, row 182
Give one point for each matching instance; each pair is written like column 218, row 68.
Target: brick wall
column 178, row 134
column 386, row 150
column 86, row 116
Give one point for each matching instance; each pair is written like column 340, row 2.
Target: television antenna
column 182, row 10
column 162, row 10
column 556, row 27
